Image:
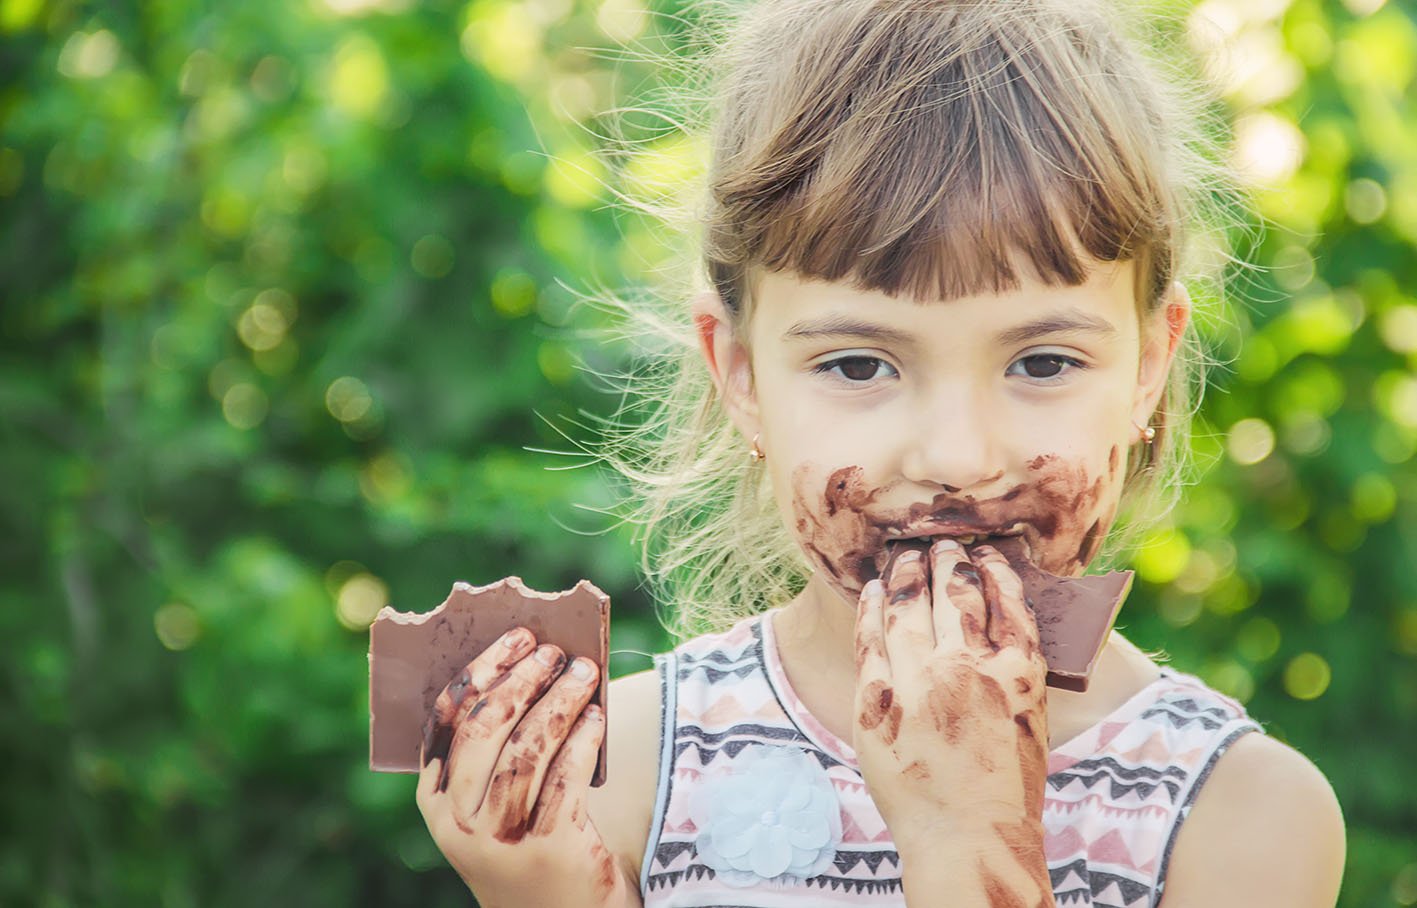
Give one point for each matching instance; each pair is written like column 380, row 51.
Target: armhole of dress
column 668, row 709
column 1240, row 727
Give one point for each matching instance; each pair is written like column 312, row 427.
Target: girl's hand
column 950, row 729
column 507, row 762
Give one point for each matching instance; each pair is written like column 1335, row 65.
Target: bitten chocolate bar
column 1074, row 614
column 413, row 656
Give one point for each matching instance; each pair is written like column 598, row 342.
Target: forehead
column 786, row 306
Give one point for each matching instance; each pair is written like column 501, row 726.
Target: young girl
column 943, row 242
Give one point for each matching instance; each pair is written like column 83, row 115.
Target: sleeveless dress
column 759, row 806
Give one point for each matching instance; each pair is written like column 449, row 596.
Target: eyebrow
column 1071, row 322
column 841, row 326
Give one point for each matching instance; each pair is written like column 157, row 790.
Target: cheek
column 1072, row 504
column 828, row 512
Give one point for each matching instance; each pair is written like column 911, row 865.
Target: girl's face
column 998, row 415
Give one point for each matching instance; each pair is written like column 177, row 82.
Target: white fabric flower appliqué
column 772, row 813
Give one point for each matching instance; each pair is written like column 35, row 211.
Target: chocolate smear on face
column 833, row 527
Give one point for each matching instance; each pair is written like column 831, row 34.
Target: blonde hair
column 918, row 147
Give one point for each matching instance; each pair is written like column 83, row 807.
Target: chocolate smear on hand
column 413, row 656
column 1074, row 614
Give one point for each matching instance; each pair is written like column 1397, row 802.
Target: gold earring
column 756, row 452
column 1148, row 434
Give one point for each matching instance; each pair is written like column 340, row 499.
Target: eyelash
column 831, row 366
column 1068, row 364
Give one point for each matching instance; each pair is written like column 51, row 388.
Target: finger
column 483, row 725
column 876, row 709
column 871, row 658
column 960, row 615
column 1011, row 622
column 519, row 771
column 562, row 800
column 909, row 629
column 475, row 678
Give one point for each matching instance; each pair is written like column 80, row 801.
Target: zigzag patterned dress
column 1115, row 799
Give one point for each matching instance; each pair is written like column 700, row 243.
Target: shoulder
column 623, row 808
column 1265, row 830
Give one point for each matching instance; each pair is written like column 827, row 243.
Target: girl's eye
column 1044, row 365
column 857, row 369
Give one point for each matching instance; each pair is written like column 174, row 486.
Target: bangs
column 932, row 156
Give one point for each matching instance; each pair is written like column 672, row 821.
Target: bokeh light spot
column 432, row 256
column 360, row 599
column 504, row 38
column 574, row 179
column 385, row 479
column 1365, row 201
column 1250, row 441
column 1307, row 676
column 348, row 399
column 1258, row 640
column 303, row 168
column 1374, row 498
column 261, row 326
column 244, row 405
column 1306, row 434
column 1398, row 328
column 1404, row 885
column 89, row 56
column 556, row 363
column 16, row 15
column 1163, row 556
column 1293, row 268
column 1397, row 396
column 1231, row 678
column 513, row 292
column 1268, row 148
column 1364, row 8
column 622, row 20
column 176, row 626
column 358, row 77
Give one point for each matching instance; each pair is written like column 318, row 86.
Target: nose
column 955, row 443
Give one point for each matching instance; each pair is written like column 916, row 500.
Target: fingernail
column 873, row 588
column 947, row 545
column 549, row 655
column 593, row 711
column 513, row 638
column 908, row 555
column 582, row 670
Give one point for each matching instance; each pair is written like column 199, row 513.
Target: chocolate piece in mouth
column 1074, row 614
column 412, row 656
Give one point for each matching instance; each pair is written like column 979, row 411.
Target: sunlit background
column 283, row 338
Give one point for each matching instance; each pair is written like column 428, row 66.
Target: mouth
column 1010, row 543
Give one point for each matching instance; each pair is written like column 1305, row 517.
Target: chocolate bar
column 413, row 656
column 1074, row 614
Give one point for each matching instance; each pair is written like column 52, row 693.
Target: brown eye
column 1044, row 366
column 859, row 368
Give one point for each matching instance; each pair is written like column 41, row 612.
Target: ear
column 1161, row 336
column 726, row 355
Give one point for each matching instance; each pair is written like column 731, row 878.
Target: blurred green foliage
column 281, row 319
